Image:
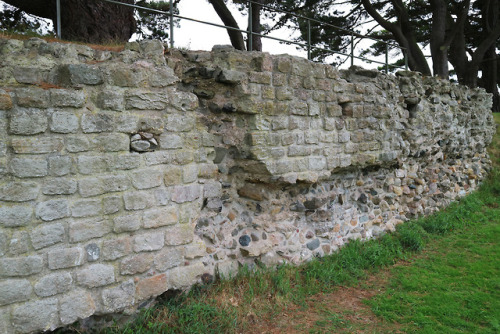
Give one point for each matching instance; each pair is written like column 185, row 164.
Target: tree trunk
column 89, row 21
column 256, row 27
column 227, row 18
column 489, row 79
column 439, row 49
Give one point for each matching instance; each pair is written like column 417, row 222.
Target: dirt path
column 342, row 311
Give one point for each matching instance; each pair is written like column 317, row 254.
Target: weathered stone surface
column 28, row 122
column 160, row 217
column 52, row 210
column 147, row 178
column 168, row 258
column 95, row 275
column 37, row 145
column 47, row 235
column 53, row 284
column 117, row 248
column 86, row 208
column 138, row 200
column 136, row 264
column 19, row 243
column 34, row 316
column 79, row 74
column 179, row 235
column 14, row 290
column 145, row 100
column 27, row 167
column 76, row 305
column 151, row 286
column 15, row 216
column 65, row 258
column 96, row 123
column 67, row 98
column 59, row 186
column 180, row 277
column 20, row 266
column 64, row 122
column 182, row 194
column 88, row 229
column 127, row 223
column 149, row 241
column 122, row 296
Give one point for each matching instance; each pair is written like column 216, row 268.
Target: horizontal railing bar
column 256, row 34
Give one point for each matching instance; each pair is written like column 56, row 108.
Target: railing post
column 386, row 58
column 308, row 39
column 405, row 53
column 352, row 49
column 250, row 27
column 171, row 25
column 58, row 18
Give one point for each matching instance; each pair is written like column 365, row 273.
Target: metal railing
column 250, row 33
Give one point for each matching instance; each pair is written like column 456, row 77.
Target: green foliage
column 15, row 21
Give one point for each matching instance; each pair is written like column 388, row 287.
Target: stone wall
column 124, row 175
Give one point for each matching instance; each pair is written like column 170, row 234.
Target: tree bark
column 439, row 49
column 91, row 21
column 227, row 18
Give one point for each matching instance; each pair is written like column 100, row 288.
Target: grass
column 440, row 274
column 111, row 46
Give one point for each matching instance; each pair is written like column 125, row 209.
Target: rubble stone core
column 127, row 174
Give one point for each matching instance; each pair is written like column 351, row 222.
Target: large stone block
column 28, row 122
column 168, row 258
column 127, row 223
column 160, row 217
column 88, row 229
column 150, row 286
column 32, row 97
column 149, row 241
column 53, row 284
column 96, row 123
column 14, row 290
column 59, row 186
column 96, row 275
column 146, row 100
column 136, row 264
column 19, row 243
column 36, row 316
column 47, row 235
column 122, row 296
column 20, row 266
column 189, row 193
column 182, row 277
column 76, row 305
column 79, row 74
column 179, row 235
column 86, row 208
column 28, row 167
column 146, row 178
column 38, row 145
column 138, row 200
column 65, row 258
column 116, row 248
column 15, row 216
column 67, row 98
column 64, row 122
column 52, row 210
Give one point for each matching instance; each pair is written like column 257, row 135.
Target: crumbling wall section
column 127, row 174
